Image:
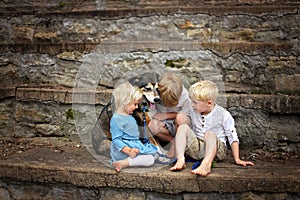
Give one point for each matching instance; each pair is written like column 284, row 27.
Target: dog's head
column 148, row 83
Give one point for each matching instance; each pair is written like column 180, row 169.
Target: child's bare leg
column 120, row 164
column 180, row 143
column 210, row 153
column 172, row 152
column 180, row 164
column 158, row 129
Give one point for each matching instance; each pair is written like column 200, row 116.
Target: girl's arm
column 132, row 152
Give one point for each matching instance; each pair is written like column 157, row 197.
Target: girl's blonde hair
column 204, row 91
column 170, row 89
column 125, row 94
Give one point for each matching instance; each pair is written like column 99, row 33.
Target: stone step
column 86, row 24
column 112, row 9
column 62, row 163
column 223, row 48
column 284, row 104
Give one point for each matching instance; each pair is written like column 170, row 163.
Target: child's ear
column 210, row 102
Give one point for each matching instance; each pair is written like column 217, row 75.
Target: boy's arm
column 236, row 155
column 165, row 116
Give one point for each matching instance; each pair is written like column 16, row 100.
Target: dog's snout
column 156, row 99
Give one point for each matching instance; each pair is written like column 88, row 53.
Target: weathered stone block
column 9, row 75
column 23, row 34
column 41, row 94
column 45, row 35
column 32, row 113
column 7, row 92
column 287, row 84
column 282, row 62
column 241, row 35
column 267, row 35
column 70, row 55
column 204, row 34
column 4, row 193
column 6, row 116
column 49, row 130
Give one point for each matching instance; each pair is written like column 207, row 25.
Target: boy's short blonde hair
column 203, row 91
column 170, row 89
column 125, row 94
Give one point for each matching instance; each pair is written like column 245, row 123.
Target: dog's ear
column 135, row 80
column 138, row 81
column 143, row 79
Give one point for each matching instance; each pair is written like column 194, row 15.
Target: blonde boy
column 174, row 109
column 212, row 126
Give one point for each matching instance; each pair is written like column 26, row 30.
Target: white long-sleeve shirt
column 219, row 121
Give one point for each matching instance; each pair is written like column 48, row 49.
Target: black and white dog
column 148, row 83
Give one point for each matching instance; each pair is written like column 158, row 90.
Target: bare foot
column 202, row 170
column 118, row 165
column 180, row 165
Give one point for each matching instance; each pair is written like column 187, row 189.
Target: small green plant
column 62, row 4
column 214, row 164
column 174, row 63
column 69, row 114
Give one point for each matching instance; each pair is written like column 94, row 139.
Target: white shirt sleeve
column 229, row 128
column 185, row 102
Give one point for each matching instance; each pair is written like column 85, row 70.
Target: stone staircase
column 58, row 58
column 60, row 168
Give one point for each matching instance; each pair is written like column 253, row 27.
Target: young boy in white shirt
column 212, row 125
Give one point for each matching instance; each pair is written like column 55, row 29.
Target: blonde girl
column 126, row 148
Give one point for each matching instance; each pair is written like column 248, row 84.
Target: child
column 174, row 109
column 126, row 148
column 212, row 124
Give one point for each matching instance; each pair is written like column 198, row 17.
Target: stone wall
column 25, row 190
column 250, row 48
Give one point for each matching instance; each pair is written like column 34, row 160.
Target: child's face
column 203, row 107
column 129, row 108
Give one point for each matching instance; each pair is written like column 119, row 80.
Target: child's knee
column 183, row 129
column 149, row 161
column 182, row 119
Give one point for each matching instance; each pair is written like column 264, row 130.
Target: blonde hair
column 170, row 89
column 125, row 94
column 203, row 91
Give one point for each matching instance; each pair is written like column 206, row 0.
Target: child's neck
column 121, row 111
column 208, row 110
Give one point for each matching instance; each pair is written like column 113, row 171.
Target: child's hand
column 244, row 163
column 133, row 152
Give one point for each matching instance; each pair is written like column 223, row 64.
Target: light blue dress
column 125, row 132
